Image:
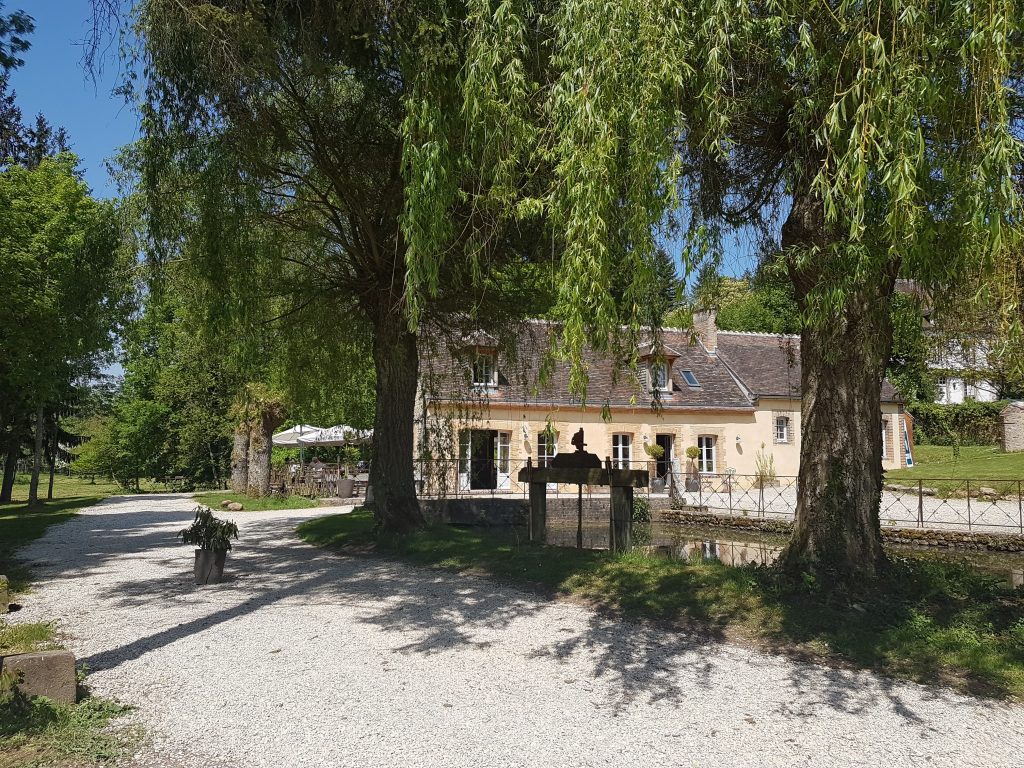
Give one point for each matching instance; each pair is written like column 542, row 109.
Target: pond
column 738, row 548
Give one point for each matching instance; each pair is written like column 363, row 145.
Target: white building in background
column 957, row 374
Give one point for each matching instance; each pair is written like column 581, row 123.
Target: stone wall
column 923, row 537
column 485, row 512
column 1013, row 427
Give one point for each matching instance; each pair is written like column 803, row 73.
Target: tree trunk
column 837, row 534
column 261, row 435
column 37, row 459
column 240, row 459
column 396, row 362
column 11, row 456
column 51, row 457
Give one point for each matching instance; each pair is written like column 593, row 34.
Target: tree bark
column 11, row 455
column 37, row 459
column 261, row 435
column 51, row 457
column 837, row 534
column 240, row 459
column 396, row 362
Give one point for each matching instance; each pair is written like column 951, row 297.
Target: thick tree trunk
column 11, row 455
column 837, row 532
column 37, row 459
column 396, row 362
column 261, row 435
column 240, row 459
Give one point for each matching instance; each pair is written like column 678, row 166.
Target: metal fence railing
column 938, row 503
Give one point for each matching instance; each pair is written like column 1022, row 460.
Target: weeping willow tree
column 289, row 117
column 870, row 140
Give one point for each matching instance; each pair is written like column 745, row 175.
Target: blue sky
column 52, row 81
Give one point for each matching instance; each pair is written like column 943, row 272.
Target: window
column 485, row 373
column 621, row 451
column 690, row 379
column 659, row 377
column 885, row 438
column 706, row 458
column 782, row 429
column 547, row 449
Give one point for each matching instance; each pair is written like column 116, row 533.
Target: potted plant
column 213, row 537
column 656, row 452
column 692, row 475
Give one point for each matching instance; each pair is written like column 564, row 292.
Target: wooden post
column 579, row 518
column 621, row 516
column 538, row 512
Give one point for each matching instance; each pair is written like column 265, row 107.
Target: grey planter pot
column 346, row 487
column 210, row 566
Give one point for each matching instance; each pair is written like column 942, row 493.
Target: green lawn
column 928, row 621
column 215, row 499
column 947, row 471
column 20, row 524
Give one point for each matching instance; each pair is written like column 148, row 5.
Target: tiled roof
column 766, row 365
column 769, row 364
column 447, row 377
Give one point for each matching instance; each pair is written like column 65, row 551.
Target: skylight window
column 690, row 379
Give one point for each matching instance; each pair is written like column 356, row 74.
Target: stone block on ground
column 226, row 502
column 44, row 673
column 234, row 506
column 5, row 594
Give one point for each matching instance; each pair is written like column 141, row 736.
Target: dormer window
column 659, row 377
column 485, row 370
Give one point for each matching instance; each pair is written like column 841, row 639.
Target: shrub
column 208, row 532
column 641, row 509
column 969, row 423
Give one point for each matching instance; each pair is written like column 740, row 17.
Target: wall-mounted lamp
column 739, row 439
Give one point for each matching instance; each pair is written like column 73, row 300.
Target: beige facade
column 737, row 435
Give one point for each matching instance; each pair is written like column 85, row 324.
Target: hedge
column 969, row 423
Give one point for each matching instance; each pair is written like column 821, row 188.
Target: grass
column 926, row 621
column 945, row 471
column 215, row 499
column 40, row 732
column 20, row 523
column 25, row 638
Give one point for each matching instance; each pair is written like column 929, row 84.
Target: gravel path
column 306, row 658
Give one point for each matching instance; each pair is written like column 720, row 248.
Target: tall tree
column 67, row 283
column 877, row 133
column 288, row 117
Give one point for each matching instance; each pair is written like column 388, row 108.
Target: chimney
column 707, row 330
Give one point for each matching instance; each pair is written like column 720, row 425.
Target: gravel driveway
column 306, row 658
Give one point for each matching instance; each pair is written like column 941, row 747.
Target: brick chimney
column 707, row 329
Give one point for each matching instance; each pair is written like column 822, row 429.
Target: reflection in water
column 738, row 548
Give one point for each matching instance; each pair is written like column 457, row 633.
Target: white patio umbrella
column 290, row 437
column 340, row 434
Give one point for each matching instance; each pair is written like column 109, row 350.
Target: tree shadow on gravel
column 428, row 610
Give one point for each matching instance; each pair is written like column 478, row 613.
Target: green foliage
column 41, row 732
column 14, row 29
column 764, row 466
column 641, row 510
column 908, row 364
column 208, row 532
column 968, row 423
column 654, row 450
column 692, row 452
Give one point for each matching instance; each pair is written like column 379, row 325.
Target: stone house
column 1013, row 426
column 735, row 397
